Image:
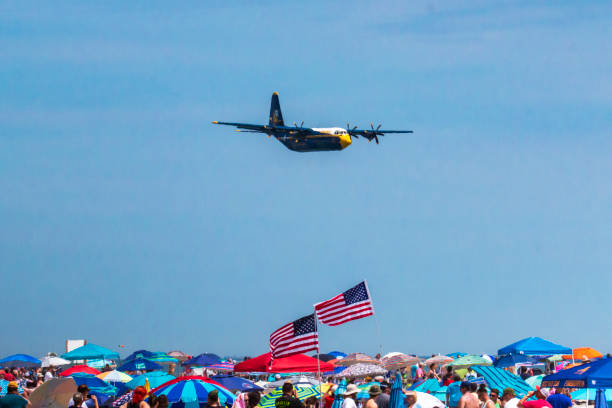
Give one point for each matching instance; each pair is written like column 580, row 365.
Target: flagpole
column 380, row 347
column 318, row 363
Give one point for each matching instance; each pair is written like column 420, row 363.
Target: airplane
column 304, row 139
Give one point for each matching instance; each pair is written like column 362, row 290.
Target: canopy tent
column 20, row 360
column 597, row 374
column 140, row 364
column 510, row 360
column 90, row 351
column 299, row 363
column 54, row 393
column 155, row 378
column 534, row 346
column 583, row 353
column 502, row 379
column 236, row 383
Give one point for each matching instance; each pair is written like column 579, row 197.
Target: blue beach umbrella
column 4, row 388
column 600, row 399
column 156, row 378
column 236, row 383
column 203, row 360
column 139, row 364
column 100, row 388
column 337, row 354
column 192, row 391
column 397, row 396
column 20, row 360
column 339, row 395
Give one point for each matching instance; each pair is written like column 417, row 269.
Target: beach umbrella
column 100, row 388
column 179, row 355
column 364, row 389
column 139, row 354
column 583, row 353
column 337, row 354
column 456, row 355
column 357, row 358
column 325, row 357
column 600, row 399
column 534, row 346
column 510, row 360
column 469, row 360
column 595, row 374
column 222, row 366
column 156, row 378
column 90, row 351
column 397, row 396
column 236, row 383
column 139, row 364
column 425, row 400
column 114, row 376
column 535, row 381
column 395, row 361
column 83, row 369
column 339, row 394
column 160, row 357
column 4, row 387
column 20, row 360
column 362, row 370
column 203, row 360
column 54, row 393
column 438, row 360
column 191, row 391
column 54, row 361
column 268, row 400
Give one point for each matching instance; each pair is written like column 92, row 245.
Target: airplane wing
column 271, row 130
column 373, row 133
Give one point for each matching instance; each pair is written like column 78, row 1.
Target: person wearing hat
column 508, row 399
column 350, row 396
column 89, row 401
column 383, row 399
column 540, row 401
column 12, row 399
column 374, row 392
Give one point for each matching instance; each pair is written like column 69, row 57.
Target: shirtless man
column 374, row 392
column 468, row 399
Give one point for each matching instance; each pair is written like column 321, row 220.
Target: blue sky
column 127, row 218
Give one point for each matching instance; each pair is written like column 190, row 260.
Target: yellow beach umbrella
column 114, row 376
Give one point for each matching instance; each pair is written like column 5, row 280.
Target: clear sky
column 127, row 218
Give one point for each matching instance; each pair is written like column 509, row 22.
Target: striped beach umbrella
column 356, row 358
column 114, row 376
column 191, row 391
column 395, row 361
column 439, row 360
column 339, row 395
column 268, row 400
column 362, row 370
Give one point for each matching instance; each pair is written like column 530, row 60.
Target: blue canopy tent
column 236, row 383
column 510, row 360
column 534, row 346
column 90, row 351
column 501, row 379
column 597, row 374
column 20, row 360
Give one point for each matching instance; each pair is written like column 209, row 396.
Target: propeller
column 375, row 131
column 348, row 128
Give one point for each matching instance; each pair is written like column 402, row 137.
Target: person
column 419, row 373
column 311, row 402
column 540, row 401
column 12, row 399
column 494, row 395
column 289, row 398
column 48, row 374
column 448, row 377
column 468, row 398
column 252, row 399
column 76, row 401
column 138, row 399
column 560, row 399
column 508, row 399
column 330, row 396
column 350, row 396
column 411, row 400
column 213, row 399
column 89, row 401
column 453, row 392
column 374, row 392
column 383, row 399
column 483, row 395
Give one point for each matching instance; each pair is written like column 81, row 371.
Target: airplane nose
column 345, row 140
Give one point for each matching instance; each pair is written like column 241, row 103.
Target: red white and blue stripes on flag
column 352, row 304
column 296, row 337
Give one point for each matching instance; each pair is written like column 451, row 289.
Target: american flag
column 353, row 304
column 296, row 337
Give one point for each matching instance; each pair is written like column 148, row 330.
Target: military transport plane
column 303, row 139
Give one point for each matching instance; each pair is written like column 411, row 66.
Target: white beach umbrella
column 54, row 361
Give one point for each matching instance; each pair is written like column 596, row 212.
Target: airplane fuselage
column 333, row 139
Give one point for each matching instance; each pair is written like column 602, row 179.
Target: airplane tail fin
column 276, row 117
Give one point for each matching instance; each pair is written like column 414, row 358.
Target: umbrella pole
column 587, row 397
column 380, row 347
column 319, row 368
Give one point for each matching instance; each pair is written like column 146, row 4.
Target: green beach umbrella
column 469, row 360
column 268, row 400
